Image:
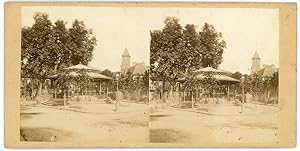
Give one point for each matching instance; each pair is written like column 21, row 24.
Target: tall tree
column 62, row 41
column 212, row 46
column 176, row 51
column 37, row 43
column 165, row 50
column 83, row 43
column 191, row 52
column 47, row 47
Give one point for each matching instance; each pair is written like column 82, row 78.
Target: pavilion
column 80, row 69
column 220, row 76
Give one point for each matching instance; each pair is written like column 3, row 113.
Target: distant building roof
column 267, row 71
column 138, row 68
column 125, row 53
column 255, row 56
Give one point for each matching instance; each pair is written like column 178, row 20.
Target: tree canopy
column 47, row 47
column 175, row 50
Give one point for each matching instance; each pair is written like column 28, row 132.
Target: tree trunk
column 54, row 93
column 183, row 94
column 192, row 100
column 40, row 88
column 179, row 92
column 39, row 93
column 171, row 92
column 163, row 91
column 64, row 98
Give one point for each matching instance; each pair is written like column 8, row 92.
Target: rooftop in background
column 268, row 71
column 138, row 68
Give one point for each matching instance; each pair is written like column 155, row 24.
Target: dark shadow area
column 156, row 117
column 184, row 105
column 258, row 125
column 166, row 136
column 27, row 115
column 202, row 109
column 134, row 123
column 40, row 134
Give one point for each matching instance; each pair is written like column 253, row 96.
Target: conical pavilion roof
column 210, row 69
column 79, row 67
column 91, row 72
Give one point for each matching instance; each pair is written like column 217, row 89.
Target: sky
column 245, row 31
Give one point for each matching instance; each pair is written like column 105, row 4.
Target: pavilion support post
column 228, row 91
column 100, row 90
column 107, row 92
column 55, row 93
column 235, row 92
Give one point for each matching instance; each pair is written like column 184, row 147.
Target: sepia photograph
column 214, row 76
column 150, row 75
column 82, row 79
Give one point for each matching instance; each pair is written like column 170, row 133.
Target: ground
column 215, row 123
column 221, row 124
column 86, row 122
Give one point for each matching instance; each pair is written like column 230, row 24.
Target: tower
column 125, row 61
column 255, row 63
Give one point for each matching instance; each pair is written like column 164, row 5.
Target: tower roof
column 255, row 56
column 125, row 53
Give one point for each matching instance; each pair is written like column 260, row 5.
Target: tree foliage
column 237, row 75
column 131, row 82
column 176, row 51
column 165, row 48
column 212, row 46
column 107, row 72
column 47, row 47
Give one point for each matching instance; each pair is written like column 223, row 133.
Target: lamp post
column 243, row 93
column 117, row 94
